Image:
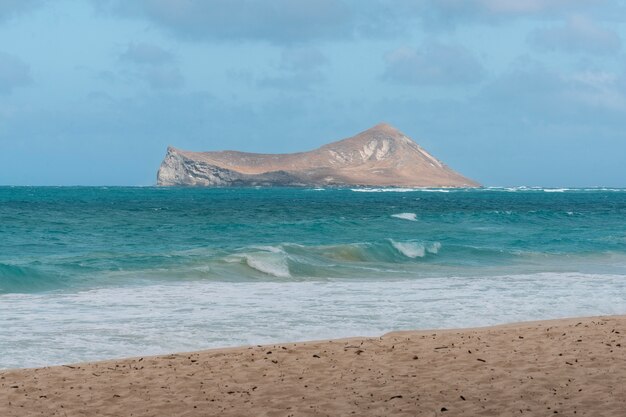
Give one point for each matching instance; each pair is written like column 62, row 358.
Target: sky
column 507, row 92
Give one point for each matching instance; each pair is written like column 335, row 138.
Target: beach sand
column 558, row 367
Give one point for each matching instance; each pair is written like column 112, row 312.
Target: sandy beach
column 566, row 367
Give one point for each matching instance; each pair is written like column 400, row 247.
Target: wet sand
column 558, row 367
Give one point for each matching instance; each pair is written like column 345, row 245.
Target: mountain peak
column 384, row 128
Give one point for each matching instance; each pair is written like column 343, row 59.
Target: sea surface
column 91, row 273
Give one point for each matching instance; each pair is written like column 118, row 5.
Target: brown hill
column 381, row 156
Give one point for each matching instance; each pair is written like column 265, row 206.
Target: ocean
column 91, row 273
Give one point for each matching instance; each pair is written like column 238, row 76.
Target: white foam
column 410, row 249
column 406, row 216
column 186, row 316
column 513, row 189
column 400, row 190
column 555, row 190
column 434, row 247
column 384, row 190
column 272, row 249
column 269, row 263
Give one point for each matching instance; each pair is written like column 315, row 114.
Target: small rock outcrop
column 381, row 156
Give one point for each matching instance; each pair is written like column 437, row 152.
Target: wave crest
column 269, row 260
column 406, row 216
column 270, row 265
column 434, row 248
column 288, row 261
column 410, row 249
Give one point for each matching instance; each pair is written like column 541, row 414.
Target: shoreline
column 572, row 366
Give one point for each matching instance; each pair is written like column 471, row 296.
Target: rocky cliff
column 381, row 156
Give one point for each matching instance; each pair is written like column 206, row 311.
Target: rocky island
column 381, row 156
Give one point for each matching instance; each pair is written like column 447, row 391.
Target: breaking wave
column 410, row 249
column 406, row 216
column 434, row 248
column 271, row 265
column 379, row 259
column 269, row 260
column 283, row 261
column 416, row 249
column 325, row 261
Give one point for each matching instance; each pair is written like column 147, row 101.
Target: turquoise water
column 79, row 238
column 95, row 272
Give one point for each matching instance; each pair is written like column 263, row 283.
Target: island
column 381, row 156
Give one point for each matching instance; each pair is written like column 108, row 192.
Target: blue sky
column 507, row 92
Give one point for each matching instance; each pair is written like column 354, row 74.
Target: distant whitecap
column 385, row 190
column 555, row 190
column 406, row 216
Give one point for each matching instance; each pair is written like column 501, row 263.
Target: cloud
column 300, row 68
column 9, row 8
column 288, row 22
column 163, row 78
column 13, row 73
column 545, row 95
column 278, row 21
column 599, row 90
column 302, row 81
column 578, row 34
column 446, row 13
column 513, row 7
column 302, row 59
column 433, row 64
column 153, row 65
column 145, row 53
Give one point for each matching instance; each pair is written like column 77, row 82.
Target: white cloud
column 433, row 64
column 578, row 34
